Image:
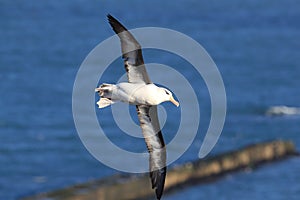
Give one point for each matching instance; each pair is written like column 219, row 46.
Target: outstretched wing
column 136, row 73
column 132, row 53
column 155, row 143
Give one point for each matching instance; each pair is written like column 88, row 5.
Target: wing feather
column 131, row 53
column 155, row 143
column 136, row 73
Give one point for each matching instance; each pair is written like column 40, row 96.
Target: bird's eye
column 167, row 92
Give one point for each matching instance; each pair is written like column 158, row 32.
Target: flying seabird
column 145, row 95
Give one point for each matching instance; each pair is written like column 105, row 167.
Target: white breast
column 136, row 93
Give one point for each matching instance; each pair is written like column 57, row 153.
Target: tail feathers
column 104, row 102
column 105, row 90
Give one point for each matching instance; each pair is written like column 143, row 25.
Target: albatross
column 145, row 95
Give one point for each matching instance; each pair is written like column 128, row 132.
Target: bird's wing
column 155, row 143
column 131, row 53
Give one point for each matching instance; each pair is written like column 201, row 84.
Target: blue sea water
column 255, row 45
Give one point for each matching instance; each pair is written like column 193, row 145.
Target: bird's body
column 145, row 95
column 133, row 93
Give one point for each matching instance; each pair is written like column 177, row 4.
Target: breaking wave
column 282, row 110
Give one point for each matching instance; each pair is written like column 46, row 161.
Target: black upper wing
column 136, row 73
column 131, row 53
column 155, row 143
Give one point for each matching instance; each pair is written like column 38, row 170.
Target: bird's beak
column 176, row 103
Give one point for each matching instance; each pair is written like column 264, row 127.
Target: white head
column 166, row 95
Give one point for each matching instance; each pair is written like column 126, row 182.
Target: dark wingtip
column 110, row 19
column 115, row 24
column 109, row 16
column 158, row 181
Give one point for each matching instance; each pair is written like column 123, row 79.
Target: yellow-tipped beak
column 176, row 103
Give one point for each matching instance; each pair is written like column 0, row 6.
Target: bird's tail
column 105, row 92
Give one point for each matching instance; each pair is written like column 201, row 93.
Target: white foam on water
column 282, row 110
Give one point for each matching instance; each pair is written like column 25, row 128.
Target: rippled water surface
column 255, row 45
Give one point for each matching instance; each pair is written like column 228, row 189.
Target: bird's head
column 168, row 96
